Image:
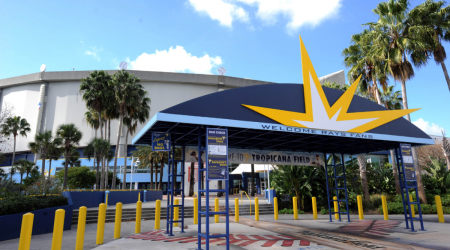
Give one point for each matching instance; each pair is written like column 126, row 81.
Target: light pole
column 136, row 163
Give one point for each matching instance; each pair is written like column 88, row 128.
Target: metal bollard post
column 138, row 217
column 440, row 212
column 385, row 207
column 25, row 231
column 294, row 200
column 216, row 209
column 256, row 209
column 236, row 210
column 275, row 208
column 101, row 224
column 195, row 211
column 118, row 222
column 314, row 204
column 157, row 214
column 58, row 229
column 413, row 212
column 336, row 209
column 360, row 207
column 106, row 197
column 81, row 228
column 176, row 212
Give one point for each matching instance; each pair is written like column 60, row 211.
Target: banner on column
column 217, row 154
column 408, row 162
column 161, row 142
column 263, row 157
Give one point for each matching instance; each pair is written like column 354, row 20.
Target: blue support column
column 345, row 186
column 182, row 186
column 328, row 188
column 199, row 242
column 336, row 188
column 400, row 176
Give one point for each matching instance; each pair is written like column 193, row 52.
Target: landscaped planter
column 44, row 219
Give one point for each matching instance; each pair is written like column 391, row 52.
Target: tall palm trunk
column 66, row 168
column 377, row 94
column 43, row 165
column 161, row 171
column 192, row 179
column 363, row 173
column 446, row 74
column 106, row 172
column 14, row 152
column 100, row 124
column 253, row 180
column 151, row 173
column 116, row 154
column 109, row 130
column 49, row 167
column 417, row 166
column 125, row 159
column 97, row 180
column 395, row 171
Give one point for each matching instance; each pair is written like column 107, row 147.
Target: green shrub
column 289, row 211
column 21, row 203
column 397, row 208
column 323, row 211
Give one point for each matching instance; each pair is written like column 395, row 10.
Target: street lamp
column 136, row 163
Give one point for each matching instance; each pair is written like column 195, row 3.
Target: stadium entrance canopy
column 291, row 117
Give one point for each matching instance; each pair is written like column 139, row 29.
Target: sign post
column 217, row 156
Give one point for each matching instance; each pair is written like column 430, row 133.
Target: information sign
column 217, row 156
column 160, row 141
column 408, row 162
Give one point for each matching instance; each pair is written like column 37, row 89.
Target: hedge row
column 22, row 203
column 397, row 208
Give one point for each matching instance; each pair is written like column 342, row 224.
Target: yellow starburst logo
column 320, row 115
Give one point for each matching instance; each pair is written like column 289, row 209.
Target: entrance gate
column 289, row 118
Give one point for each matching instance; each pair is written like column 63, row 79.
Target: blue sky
column 256, row 39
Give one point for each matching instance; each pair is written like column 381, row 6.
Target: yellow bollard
column 195, row 211
column 139, row 196
column 336, row 209
column 295, row 208
column 106, row 202
column 256, row 209
column 138, row 217
column 176, row 212
column 58, row 229
column 413, row 212
column 25, row 231
column 157, row 214
column 216, row 209
column 236, row 210
column 81, row 228
column 275, row 208
column 385, row 207
column 440, row 212
column 314, row 204
column 101, row 224
column 118, row 222
column 360, row 207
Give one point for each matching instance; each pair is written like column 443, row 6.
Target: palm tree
column 12, row 171
column 96, row 90
column 135, row 114
column 15, row 126
column 91, row 118
column 436, row 18
column 393, row 40
column 102, row 149
column 41, row 145
column 24, row 167
column 74, row 158
column 393, row 100
column 147, row 158
column 128, row 93
column 70, row 136
column 54, row 152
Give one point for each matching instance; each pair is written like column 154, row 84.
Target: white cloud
column 94, row 52
column 223, row 11
column 297, row 12
column 175, row 60
column 432, row 129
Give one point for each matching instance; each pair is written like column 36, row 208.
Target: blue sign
column 160, row 141
column 408, row 162
column 217, row 156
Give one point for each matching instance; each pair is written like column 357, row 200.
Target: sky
column 255, row 39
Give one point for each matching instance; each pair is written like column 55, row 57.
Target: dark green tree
column 70, row 136
column 15, row 126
